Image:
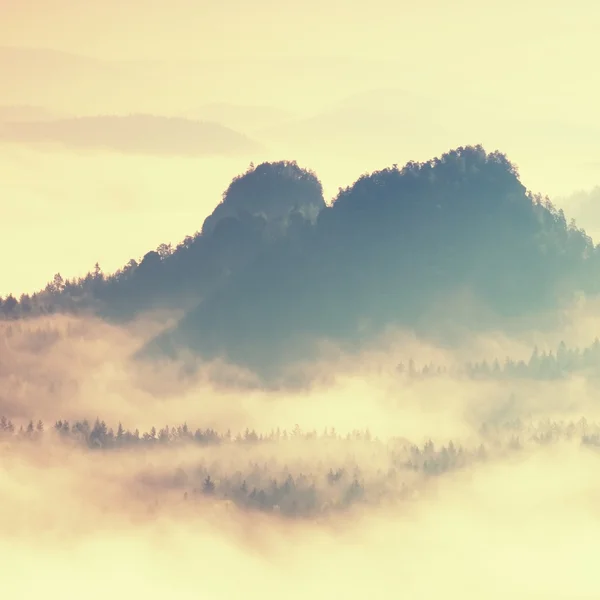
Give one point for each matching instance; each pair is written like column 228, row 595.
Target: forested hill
column 390, row 248
column 258, row 207
column 274, row 265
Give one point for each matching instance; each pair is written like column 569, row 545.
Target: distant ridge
column 138, row 133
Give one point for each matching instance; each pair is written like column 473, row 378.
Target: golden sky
column 184, row 28
column 518, row 75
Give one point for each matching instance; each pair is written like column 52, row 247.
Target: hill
column 275, row 269
column 256, row 210
column 391, row 250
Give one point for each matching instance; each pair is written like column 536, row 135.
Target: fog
column 584, row 206
column 194, row 479
column 502, row 518
column 506, row 530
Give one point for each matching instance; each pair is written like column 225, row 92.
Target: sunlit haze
column 518, row 76
column 299, row 300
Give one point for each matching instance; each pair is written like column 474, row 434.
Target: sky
column 342, row 88
column 184, row 29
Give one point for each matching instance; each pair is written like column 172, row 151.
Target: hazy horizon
column 392, row 396
column 349, row 92
column 328, row 119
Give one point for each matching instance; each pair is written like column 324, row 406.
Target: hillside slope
column 455, row 242
column 389, row 251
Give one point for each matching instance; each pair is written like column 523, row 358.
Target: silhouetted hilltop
column 257, row 209
column 388, row 251
column 275, row 268
column 272, row 191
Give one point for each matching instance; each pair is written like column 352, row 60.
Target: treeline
column 329, row 473
column 69, row 296
column 92, row 294
column 541, row 365
column 258, row 207
column 99, row 435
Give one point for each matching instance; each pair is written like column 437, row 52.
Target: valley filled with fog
column 299, row 300
column 390, row 465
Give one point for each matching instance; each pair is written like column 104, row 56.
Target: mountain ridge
column 277, row 268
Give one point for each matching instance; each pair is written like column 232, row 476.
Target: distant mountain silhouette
column 388, row 99
column 242, row 118
column 26, row 112
column 58, row 79
column 144, row 134
column 377, row 118
column 86, row 85
column 37, row 60
column 274, row 268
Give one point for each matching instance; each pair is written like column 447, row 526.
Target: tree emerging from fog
column 351, row 470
